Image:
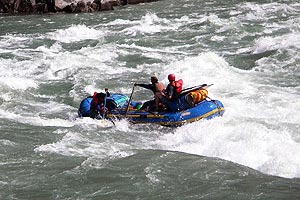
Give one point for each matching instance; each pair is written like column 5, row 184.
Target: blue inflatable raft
column 179, row 111
column 115, row 101
column 205, row 109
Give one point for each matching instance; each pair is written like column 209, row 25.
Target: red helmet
column 171, row 77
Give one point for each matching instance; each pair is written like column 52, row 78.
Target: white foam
column 246, row 142
column 258, row 118
column 19, row 74
column 205, row 68
column 151, row 24
column 88, row 123
column 151, row 49
column 9, row 41
column 65, row 64
column 36, row 121
column 120, row 22
column 35, row 113
column 273, row 43
column 267, row 10
column 76, row 33
column 7, row 143
column 17, row 83
column 216, row 20
column 75, row 144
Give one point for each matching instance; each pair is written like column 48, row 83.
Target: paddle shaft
column 196, row 87
column 104, row 105
column 187, row 90
column 127, row 108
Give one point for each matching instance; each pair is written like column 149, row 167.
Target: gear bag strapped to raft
column 198, row 95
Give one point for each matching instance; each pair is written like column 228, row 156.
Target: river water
column 248, row 50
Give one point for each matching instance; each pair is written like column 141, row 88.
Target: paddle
column 104, row 102
column 197, row 86
column 127, row 108
column 190, row 89
column 104, row 107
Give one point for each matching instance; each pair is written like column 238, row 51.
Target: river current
column 248, row 50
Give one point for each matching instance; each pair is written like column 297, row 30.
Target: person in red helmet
column 171, row 77
column 174, row 88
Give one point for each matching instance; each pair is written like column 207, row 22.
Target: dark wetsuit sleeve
column 170, row 90
column 107, row 94
column 147, row 86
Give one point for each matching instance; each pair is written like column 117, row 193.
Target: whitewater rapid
column 260, row 127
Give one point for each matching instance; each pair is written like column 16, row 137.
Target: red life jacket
column 95, row 99
column 97, row 104
column 177, row 85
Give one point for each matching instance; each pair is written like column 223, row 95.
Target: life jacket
column 95, row 100
column 177, row 85
column 159, row 87
column 199, row 95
